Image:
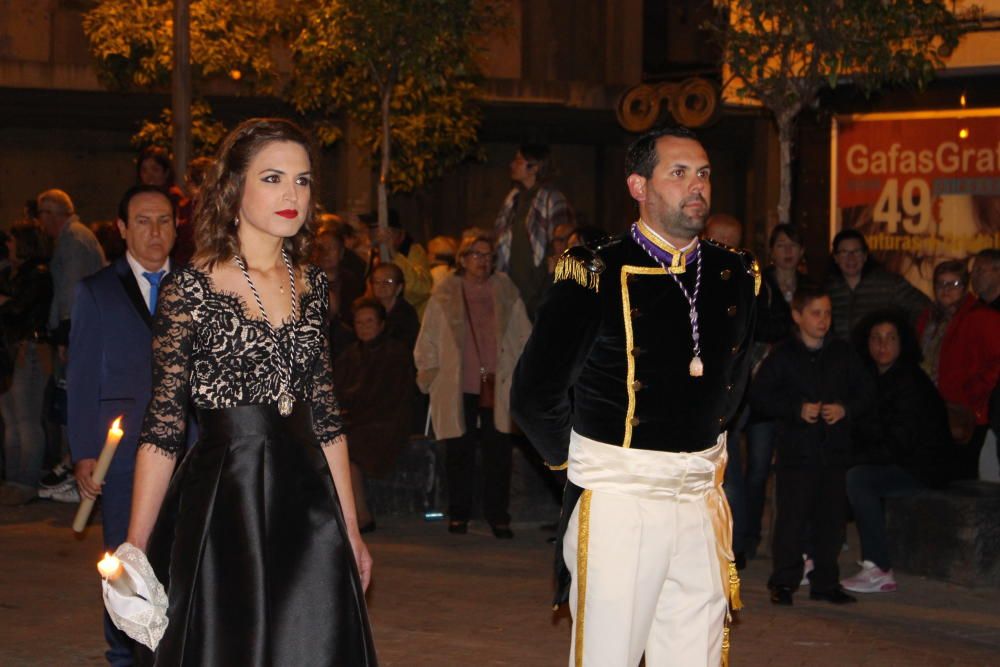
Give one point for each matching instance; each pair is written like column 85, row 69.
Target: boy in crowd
column 814, row 385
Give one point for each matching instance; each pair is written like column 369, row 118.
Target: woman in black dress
column 255, row 537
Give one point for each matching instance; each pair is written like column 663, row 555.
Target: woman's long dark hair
column 219, row 202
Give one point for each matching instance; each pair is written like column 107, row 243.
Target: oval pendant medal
column 285, row 404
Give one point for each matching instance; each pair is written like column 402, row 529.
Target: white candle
column 115, row 434
column 114, row 573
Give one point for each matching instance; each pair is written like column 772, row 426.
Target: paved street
column 444, row 600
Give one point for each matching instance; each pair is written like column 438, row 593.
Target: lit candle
column 115, row 434
column 114, row 573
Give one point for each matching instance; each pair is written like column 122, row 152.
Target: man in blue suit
column 110, row 369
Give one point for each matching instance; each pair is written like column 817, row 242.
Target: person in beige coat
column 473, row 331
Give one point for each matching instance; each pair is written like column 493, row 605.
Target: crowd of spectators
column 863, row 389
column 920, row 395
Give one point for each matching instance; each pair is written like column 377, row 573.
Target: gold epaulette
column 581, row 265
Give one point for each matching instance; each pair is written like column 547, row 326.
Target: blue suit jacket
column 110, row 364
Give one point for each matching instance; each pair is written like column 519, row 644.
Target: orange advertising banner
column 923, row 187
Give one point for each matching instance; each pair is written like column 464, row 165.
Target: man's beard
column 678, row 223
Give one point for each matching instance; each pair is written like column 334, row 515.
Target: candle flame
column 109, row 566
column 116, row 426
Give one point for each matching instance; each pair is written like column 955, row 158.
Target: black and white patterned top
column 210, row 353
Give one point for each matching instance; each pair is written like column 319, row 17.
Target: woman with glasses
column 859, row 286
column 960, row 339
column 473, row 332
column 386, row 285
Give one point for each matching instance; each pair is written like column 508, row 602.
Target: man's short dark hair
column 642, row 158
column 136, row 190
column 806, row 294
column 847, row 235
column 538, row 155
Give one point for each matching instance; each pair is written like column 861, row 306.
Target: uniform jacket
column 623, row 346
column 969, row 364
column 610, row 351
column 792, row 375
column 438, row 353
column 110, row 364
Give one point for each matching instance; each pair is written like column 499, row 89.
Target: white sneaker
column 870, row 580
column 64, row 493
column 807, row 567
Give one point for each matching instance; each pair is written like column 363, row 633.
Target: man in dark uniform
column 650, row 334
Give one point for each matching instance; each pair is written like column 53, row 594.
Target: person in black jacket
column 899, row 447
column 815, row 386
column 23, row 316
column 774, row 324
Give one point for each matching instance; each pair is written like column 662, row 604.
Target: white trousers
column 643, row 555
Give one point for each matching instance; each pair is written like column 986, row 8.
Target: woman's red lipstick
column 288, row 213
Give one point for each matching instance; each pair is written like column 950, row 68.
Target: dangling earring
column 236, row 221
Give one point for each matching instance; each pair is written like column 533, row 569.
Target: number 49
column 916, row 201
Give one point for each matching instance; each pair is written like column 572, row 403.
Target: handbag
column 487, row 381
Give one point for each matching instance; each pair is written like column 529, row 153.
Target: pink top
column 480, row 300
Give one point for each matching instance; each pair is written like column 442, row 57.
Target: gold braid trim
column 571, row 268
column 583, row 543
column 734, row 588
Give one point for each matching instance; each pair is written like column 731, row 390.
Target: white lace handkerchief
column 143, row 615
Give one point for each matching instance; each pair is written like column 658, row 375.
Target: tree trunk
column 181, row 101
column 786, row 135
column 383, row 177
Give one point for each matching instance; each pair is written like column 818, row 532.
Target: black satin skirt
column 252, row 547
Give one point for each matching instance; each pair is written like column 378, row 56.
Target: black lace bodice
column 209, row 353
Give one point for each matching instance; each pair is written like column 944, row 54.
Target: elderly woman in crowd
column 960, row 338
column 373, row 376
column 473, row 332
column 24, row 311
column 859, row 286
column 386, row 285
column 899, row 448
